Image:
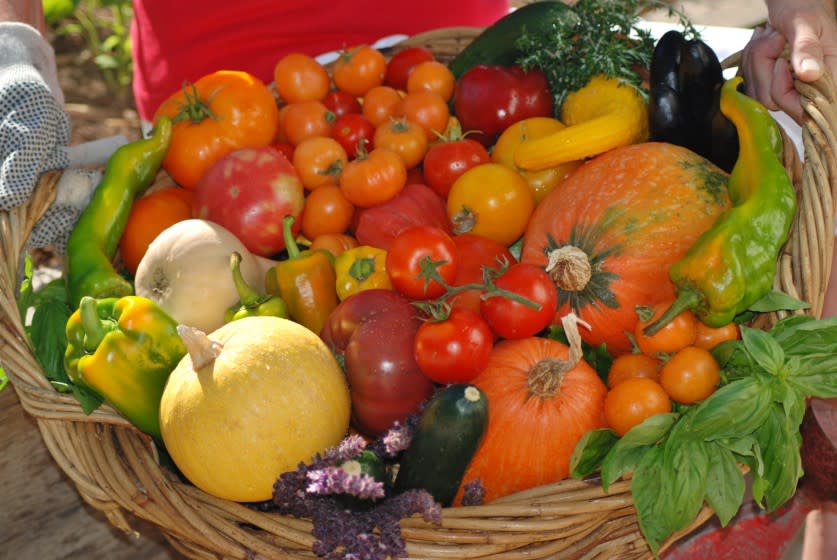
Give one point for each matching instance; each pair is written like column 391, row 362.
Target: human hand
column 809, row 29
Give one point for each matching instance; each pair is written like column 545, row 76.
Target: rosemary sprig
column 596, row 37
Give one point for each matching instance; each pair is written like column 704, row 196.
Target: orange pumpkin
column 541, row 399
column 609, row 233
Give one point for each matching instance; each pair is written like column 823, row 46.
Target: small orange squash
column 609, row 233
column 542, row 398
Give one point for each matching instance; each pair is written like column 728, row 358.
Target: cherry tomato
column 334, row 243
column 633, row 365
column 691, row 375
column 351, row 131
column 359, row 69
column 418, row 247
column 306, row 119
column 709, row 337
column 456, row 349
column 373, row 179
column 476, row 253
column 342, row 103
column 427, row 109
column 514, row 319
column 432, row 76
column 326, row 210
column 299, row 77
column 403, row 137
column 445, row 162
column 491, row 200
column 632, row 402
column 319, row 160
column 402, row 63
column 676, row 335
column 379, row 104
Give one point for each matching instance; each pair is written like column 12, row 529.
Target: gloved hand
column 34, row 134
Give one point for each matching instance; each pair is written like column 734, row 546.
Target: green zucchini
column 497, row 44
column 446, row 438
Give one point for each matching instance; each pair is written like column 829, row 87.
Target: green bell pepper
column 124, row 349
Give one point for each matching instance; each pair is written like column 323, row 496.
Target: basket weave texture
column 116, row 470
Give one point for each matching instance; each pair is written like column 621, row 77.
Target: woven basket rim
column 116, row 469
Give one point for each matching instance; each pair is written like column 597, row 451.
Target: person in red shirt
column 182, row 41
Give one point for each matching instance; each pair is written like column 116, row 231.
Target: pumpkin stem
column 569, row 268
column 202, row 350
column 546, row 377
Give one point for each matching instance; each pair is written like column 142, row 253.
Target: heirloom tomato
column 249, row 191
column 413, row 250
column 373, row 178
column 385, row 381
column 509, row 318
column 491, row 200
column 319, row 160
column 402, row 63
column 334, row 243
column 354, row 131
column 454, row 349
column 359, row 69
column 219, row 113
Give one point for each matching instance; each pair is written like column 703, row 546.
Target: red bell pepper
column 489, row 99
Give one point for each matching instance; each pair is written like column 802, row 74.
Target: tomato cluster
column 674, row 364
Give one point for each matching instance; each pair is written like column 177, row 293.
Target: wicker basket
column 115, row 469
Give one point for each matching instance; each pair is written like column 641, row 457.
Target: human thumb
column 806, row 54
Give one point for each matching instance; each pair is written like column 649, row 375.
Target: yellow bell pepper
column 361, row 268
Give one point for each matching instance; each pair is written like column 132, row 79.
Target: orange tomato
column 709, row 337
column 374, row 179
column 632, row 402
column 299, row 77
column 219, row 113
column 306, row 119
column 676, row 335
column 359, row 69
column 627, row 366
column 404, row 138
column 326, row 210
column 427, row 109
column 334, row 243
column 491, row 200
column 318, row 161
column 150, row 215
column 691, row 375
column 432, row 76
column 379, row 104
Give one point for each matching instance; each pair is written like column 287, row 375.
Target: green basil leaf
column 590, row 450
column 779, row 442
column 724, row 483
column 764, row 349
column 649, row 499
column 734, row 410
column 627, row 452
column 775, row 300
column 49, row 337
column 686, row 473
column 816, row 381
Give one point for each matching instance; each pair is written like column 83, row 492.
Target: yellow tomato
column 544, row 180
column 491, row 200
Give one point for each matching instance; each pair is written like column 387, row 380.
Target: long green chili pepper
column 733, row 264
column 94, row 239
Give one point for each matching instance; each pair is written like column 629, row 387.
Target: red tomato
column 352, row 129
column 475, row 253
column 341, row 103
column 513, row 319
column 402, row 63
column 249, row 191
column 415, row 249
column 413, row 206
column 456, row 349
column 446, row 161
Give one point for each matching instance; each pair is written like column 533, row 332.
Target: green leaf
column 88, row 400
column 764, row 349
column 779, row 442
column 734, row 410
column 49, row 337
column 105, row 61
column 724, row 483
column 56, row 10
column 589, row 452
column 627, row 452
column 686, row 473
column 26, row 296
column 775, row 300
column 649, row 498
column 4, row 379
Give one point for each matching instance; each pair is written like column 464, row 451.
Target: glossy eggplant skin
column 685, row 90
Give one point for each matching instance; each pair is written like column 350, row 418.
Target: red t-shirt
column 181, row 40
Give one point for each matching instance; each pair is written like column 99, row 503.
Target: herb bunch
column 595, row 37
